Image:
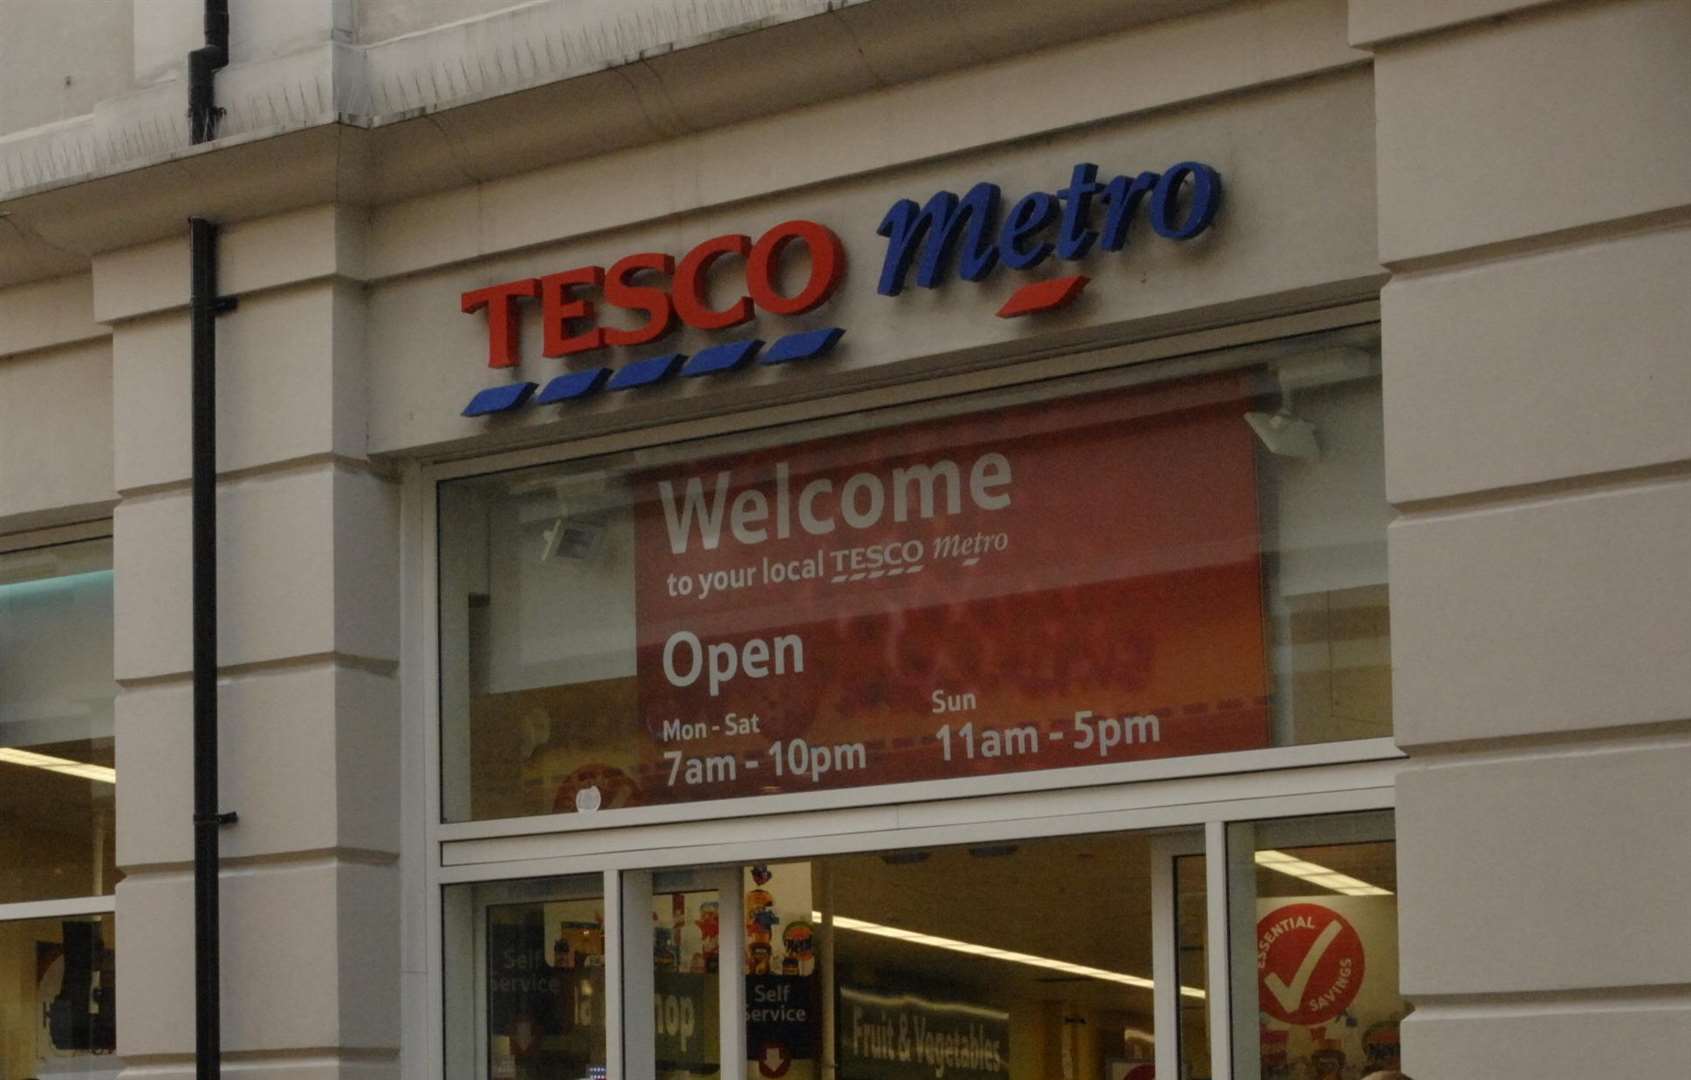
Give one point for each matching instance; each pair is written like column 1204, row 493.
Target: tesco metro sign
column 972, row 235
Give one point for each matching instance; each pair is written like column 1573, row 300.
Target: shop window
column 1017, row 583
column 1326, row 940
column 1314, row 970
column 58, row 787
column 58, row 781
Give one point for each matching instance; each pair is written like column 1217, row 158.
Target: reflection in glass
column 58, row 997
column 1324, row 528
column 539, row 965
column 58, row 779
column 1105, row 578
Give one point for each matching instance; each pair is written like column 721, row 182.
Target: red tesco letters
column 503, row 333
column 651, row 299
column 560, row 309
column 691, row 299
column 636, row 283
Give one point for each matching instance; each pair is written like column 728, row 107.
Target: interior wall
column 59, row 839
column 1329, row 515
column 1324, row 531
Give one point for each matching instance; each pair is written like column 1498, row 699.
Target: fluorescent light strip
column 896, row 1001
column 1316, row 874
column 914, row 938
column 63, row 766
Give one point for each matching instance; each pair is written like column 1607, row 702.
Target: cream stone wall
column 347, row 357
column 308, row 644
column 59, row 58
column 1533, row 204
column 304, row 65
column 1296, row 231
column 1285, row 238
column 1518, row 166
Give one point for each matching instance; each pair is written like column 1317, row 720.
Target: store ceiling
column 1084, row 900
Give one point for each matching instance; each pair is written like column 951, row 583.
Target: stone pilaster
column 308, row 649
column 1535, row 196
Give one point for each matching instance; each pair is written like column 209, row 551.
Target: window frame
column 692, row 442
column 1213, row 792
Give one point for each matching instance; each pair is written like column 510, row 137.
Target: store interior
column 58, row 797
column 1026, row 961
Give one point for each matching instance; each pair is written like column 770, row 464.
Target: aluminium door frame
column 1181, row 793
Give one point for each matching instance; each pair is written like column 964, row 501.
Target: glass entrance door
column 1027, row 960
column 1237, row 949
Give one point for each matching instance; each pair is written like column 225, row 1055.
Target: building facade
column 861, row 539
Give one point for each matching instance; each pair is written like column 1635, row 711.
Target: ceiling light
column 896, row 1001
column 1316, row 874
column 64, row 766
column 915, row 938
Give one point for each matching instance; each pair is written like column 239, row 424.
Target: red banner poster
column 1061, row 584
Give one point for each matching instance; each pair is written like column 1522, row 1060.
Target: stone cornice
column 482, row 100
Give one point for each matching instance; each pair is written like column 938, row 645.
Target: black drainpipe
column 205, row 305
column 203, row 113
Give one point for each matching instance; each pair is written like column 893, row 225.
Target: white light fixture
column 1316, row 874
column 63, row 766
column 1285, row 435
column 574, row 536
column 970, row 949
column 1283, row 432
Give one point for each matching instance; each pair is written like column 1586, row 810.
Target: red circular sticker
column 1309, row 964
column 1143, row 1072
